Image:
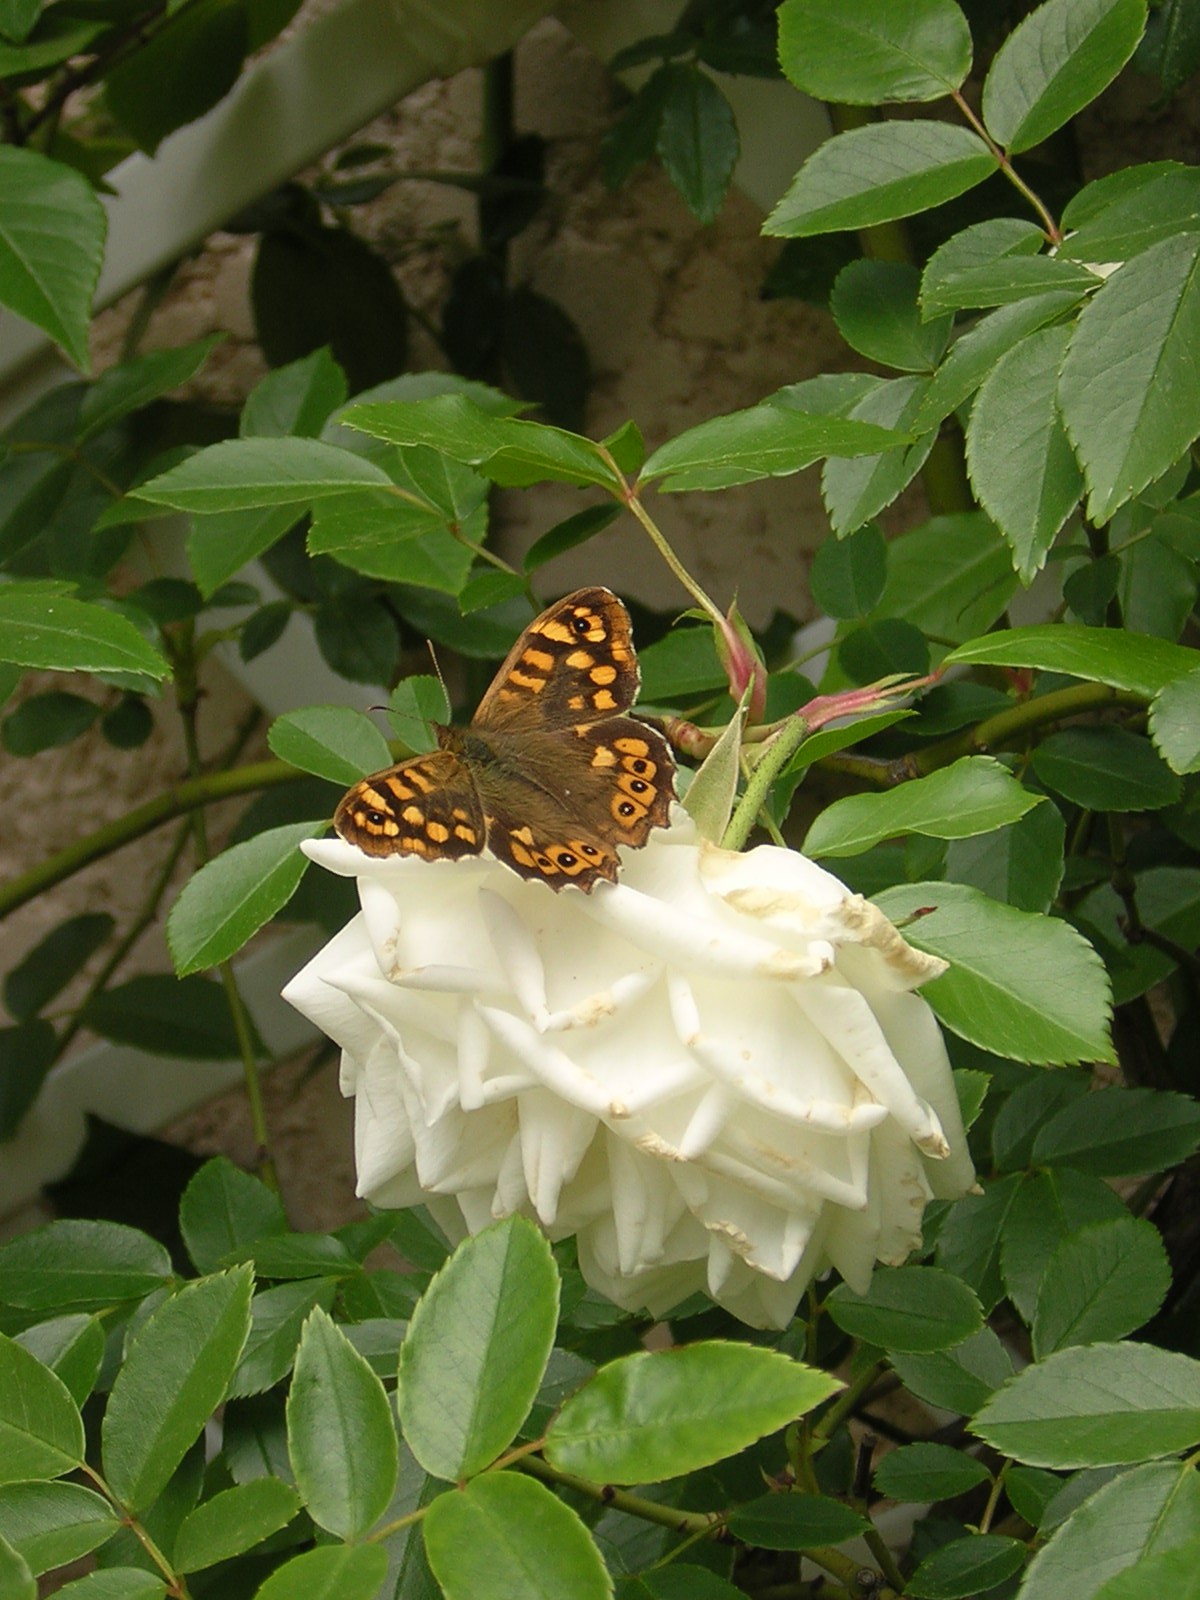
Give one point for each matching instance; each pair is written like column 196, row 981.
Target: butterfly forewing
column 550, row 773
column 427, row 806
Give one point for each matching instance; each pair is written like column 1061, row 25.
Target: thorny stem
column 1052, row 230
column 775, row 756
column 687, row 1522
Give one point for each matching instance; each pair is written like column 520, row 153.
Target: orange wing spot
column 619, row 653
column 414, row 815
column 401, row 791
column 575, row 703
column 542, row 660
column 467, row 835
column 603, row 675
column 391, row 829
column 603, row 700
column 557, row 631
column 460, row 815
column 603, row 757
column 437, row 831
column 523, row 857
column 418, row 846
column 425, row 784
column 581, row 660
column 524, row 681
column 524, row 834
column 632, row 747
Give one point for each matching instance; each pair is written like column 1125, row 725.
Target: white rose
column 714, row 1073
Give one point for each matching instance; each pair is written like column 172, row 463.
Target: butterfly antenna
column 437, row 670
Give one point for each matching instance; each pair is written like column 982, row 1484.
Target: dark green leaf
column 1105, row 769
column 634, row 137
column 358, row 638
column 54, row 1523
column 72, row 1347
column 968, row 1242
column 967, row 1567
column 952, row 576
column 129, row 724
column 684, row 662
column 1101, row 1283
column 880, row 649
column 874, row 304
column 697, row 139
column 1106, row 655
column 855, row 491
column 233, row 1521
column 869, row 50
column 17, row 1580
column 53, row 962
column 1117, row 1132
column 223, row 1211
column 133, row 384
column 919, row 1309
column 794, row 1522
column 1122, row 214
column 1021, row 864
column 222, row 542
column 72, row 1265
column 296, row 399
column 928, row 1472
column 565, row 535
column 277, row 1316
column 178, row 72
column 51, row 247
column 41, row 1432
column 45, row 721
column 264, row 628
column 1048, row 1208
column 1175, row 721
column 167, row 1016
column 848, row 575
column 330, row 1572
column 958, row 1380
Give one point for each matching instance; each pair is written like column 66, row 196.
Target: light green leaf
column 1054, row 63
column 1129, row 389
column 16, row 1580
column 974, row 795
column 651, row 1416
column 77, row 1265
column 224, row 1211
column 221, row 543
column 341, row 1438
column 72, row 1347
column 1021, row 864
column 1025, row 987
column 1153, row 1508
column 1173, row 1572
column 330, row 1572
column 49, row 629
column 335, row 742
column 476, row 1349
column 867, row 51
column 296, row 399
column 1019, row 458
column 174, row 1378
column 1122, row 214
column 1175, row 722
column 1106, row 655
column 711, row 793
column 505, row 1535
column 115, row 1583
column 241, row 474
column 766, row 441
column 41, row 1432
column 874, row 304
column 233, row 1521
column 1012, row 279
column 1096, row 1405
column 53, row 1523
column 928, row 1472
column 878, row 173
column 1101, row 1283
column 52, row 229
column 231, row 897
column 856, row 491
column 919, row 1309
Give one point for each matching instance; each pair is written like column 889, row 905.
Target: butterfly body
column 550, row 775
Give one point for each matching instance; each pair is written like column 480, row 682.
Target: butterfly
column 550, row 776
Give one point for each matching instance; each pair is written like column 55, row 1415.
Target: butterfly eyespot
column 376, row 818
column 581, row 624
column 589, row 850
column 566, row 860
column 625, row 809
column 638, row 786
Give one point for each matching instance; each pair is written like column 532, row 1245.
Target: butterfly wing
column 574, row 664
column 427, row 806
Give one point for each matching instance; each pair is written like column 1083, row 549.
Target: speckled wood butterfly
column 549, row 776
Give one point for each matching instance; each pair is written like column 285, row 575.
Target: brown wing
column 427, row 806
column 574, row 664
column 557, row 804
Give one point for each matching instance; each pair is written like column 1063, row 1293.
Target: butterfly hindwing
column 427, row 806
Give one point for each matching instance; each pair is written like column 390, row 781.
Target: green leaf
column 1157, row 587
column 222, row 542
column 878, row 173
column 277, row 1318
column 341, row 1437
column 131, row 385
column 295, row 399
column 1014, row 278
column 973, row 795
column 1120, row 1132
column 335, row 742
column 960, row 1379
column 928, row 1472
column 952, row 576
column 330, row 1572
column 680, row 1581
column 78, row 1265
column 72, row 1347
column 476, row 1349
column 1025, row 987
column 1048, row 1208
column 233, row 1521
column 302, row 1255
column 572, row 531
column 16, row 1580
column 1096, row 1405
column 224, row 1211
column 46, row 721
column 1021, row 864
column 684, row 662
column 174, row 1378
column 508, row 451
column 53, row 1523
column 177, row 72
column 795, row 1522
column 53, row 962
column 697, row 138
column 874, row 304
column 187, row 1017
column 505, row 1535
column 848, row 575
column 650, row 1416
column 1150, row 1508
column 1114, row 656
column 1019, row 458
column 967, row 1567
column 52, row 229
column 241, row 474
column 1105, row 768
column 1056, row 62
column 919, row 1309
column 1124, row 213
column 1143, row 324
column 869, row 51
column 49, row 629
column 41, row 1432
column 232, row 895
column 766, row 441
column 975, row 352
column 713, row 789
column 1101, row 1283
column 856, row 491
column 968, row 1242
column 414, row 705
column 1175, row 723
column 1173, row 1572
